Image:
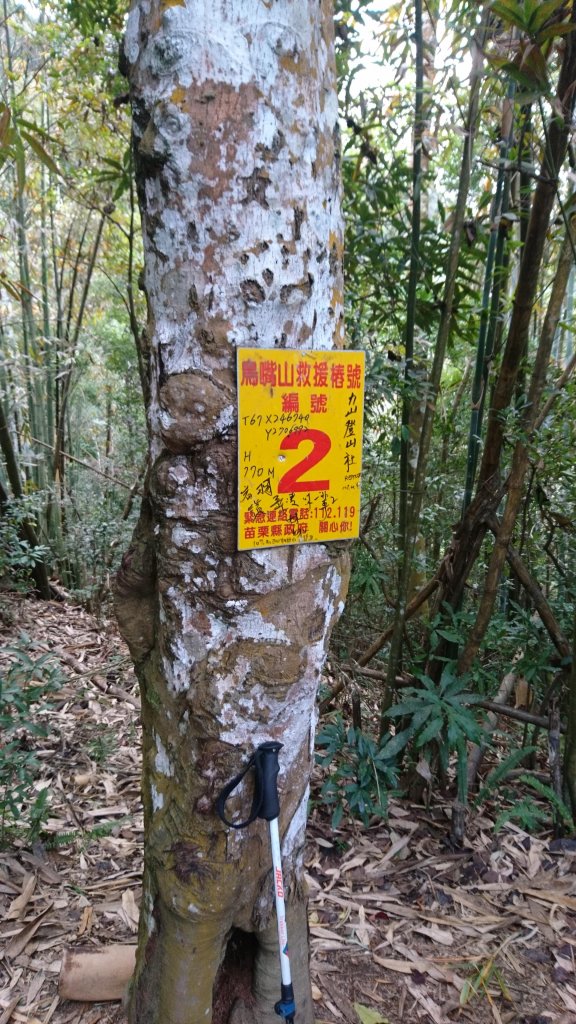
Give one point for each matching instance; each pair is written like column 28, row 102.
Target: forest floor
column 403, row 928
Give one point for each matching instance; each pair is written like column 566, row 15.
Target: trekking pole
column 266, row 805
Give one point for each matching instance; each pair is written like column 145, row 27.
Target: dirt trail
column 403, row 929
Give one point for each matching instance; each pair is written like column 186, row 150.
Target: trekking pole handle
column 265, row 802
column 267, row 774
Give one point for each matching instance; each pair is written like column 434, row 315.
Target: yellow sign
column 299, row 447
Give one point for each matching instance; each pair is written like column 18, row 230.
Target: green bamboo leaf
column 396, row 743
column 4, row 123
column 427, row 682
column 464, row 698
column 540, row 13
column 551, row 31
column 521, row 77
column 534, row 62
column 367, row 1015
column 20, row 158
column 40, row 152
column 12, row 287
column 422, row 716
column 113, row 163
column 406, row 707
column 466, row 992
column 122, row 188
column 432, row 730
column 462, row 725
column 511, row 13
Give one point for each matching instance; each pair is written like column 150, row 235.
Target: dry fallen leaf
column 86, row 921
column 17, row 944
column 9, row 1010
column 429, row 1005
column 441, row 935
column 18, row 905
column 361, row 929
column 34, row 989
column 130, row 910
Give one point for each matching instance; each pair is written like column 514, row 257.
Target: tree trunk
column 27, row 529
column 406, row 440
column 410, row 514
column 569, row 767
column 521, row 455
column 452, row 263
column 532, row 253
column 236, row 147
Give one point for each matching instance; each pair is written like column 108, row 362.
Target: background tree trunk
column 236, row 146
column 470, row 532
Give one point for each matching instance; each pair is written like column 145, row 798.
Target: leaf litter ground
column 402, row 927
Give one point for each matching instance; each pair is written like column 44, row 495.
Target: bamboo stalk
column 517, row 714
column 402, row 533
column 490, row 303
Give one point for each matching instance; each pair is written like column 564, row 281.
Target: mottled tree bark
column 236, row 146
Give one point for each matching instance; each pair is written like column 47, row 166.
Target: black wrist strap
column 265, row 804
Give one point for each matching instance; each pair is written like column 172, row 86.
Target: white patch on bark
column 185, row 651
column 187, row 539
column 131, row 44
column 219, row 633
column 313, row 724
column 253, row 626
column 157, row 798
column 162, row 761
column 147, row 909
column 203, row 496
column 223, row 685
column 226, row 419
column 293, row 841
column 306, row 558
column 165, row 236
column 273, row 561
column 178, row 474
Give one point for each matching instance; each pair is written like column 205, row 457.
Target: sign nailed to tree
column 300, row 446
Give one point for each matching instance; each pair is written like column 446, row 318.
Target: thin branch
column 420, row 598
column 86, row 465
column 532, row 588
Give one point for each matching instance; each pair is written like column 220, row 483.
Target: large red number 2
column 321, row 445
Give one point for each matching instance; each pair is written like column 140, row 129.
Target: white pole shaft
column 280, row 905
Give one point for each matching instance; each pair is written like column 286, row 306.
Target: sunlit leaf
column 541, row 12
column 20, row 158
column 4, row 123
column 551, row 31
column 510, row 12
column 40, row 152
column 367, row 1015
